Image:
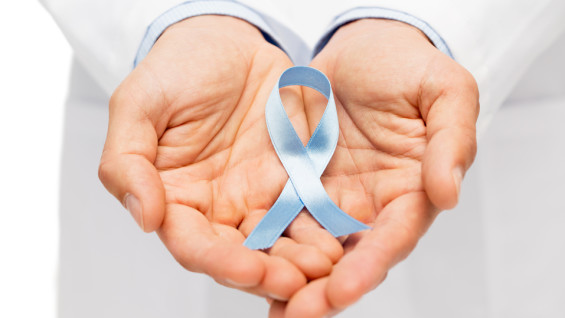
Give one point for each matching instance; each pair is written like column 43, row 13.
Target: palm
column 214, row 156
column 392, row 89
column 384, row 96
column 382, row 142
column 383, row 136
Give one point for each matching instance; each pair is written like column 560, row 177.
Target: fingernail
column 133, row 205
column 276, row 297
column 231, row 282
column 457, row 178
column 333, row 313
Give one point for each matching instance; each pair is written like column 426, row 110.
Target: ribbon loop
column 304, row 165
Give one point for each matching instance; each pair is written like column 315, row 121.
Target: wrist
column 216, row 27
column 379, row 30
column 190, row 9
column 380, row 38
column 221, row 25
column 212, row 34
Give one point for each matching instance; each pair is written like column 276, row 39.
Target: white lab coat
column 499, row 254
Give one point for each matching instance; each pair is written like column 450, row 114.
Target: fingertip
column 310, row 302
column 344, row 289
column 457, row 174
column 452, row 106
column 135, row 182
column 282, row 279
column 151, row 192
column 397, row 229
column 197, row 246
column 333, row 250
column 342, row 293
column 309, row 259
column 277, row 309
column 246, row 269
column 359, row 272
column 447, row 157
column 135, row 208
column 441, row 187
column 305, row 230
column 143, row 181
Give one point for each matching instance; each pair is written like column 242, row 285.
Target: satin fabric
column 495, row 40
column 497, row 255
column 304, row 165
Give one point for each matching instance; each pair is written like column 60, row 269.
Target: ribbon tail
column 277, row 219
column 304, row 165
column 337, row 222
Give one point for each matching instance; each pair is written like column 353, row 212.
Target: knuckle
column 118, row 97
column 464, row 81
column 470, row 83
column 467, row 83
column 458, row 78
column 104, row 172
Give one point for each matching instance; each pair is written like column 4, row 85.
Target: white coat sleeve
column 105, row 34
column 496, row 40
column 109, row 36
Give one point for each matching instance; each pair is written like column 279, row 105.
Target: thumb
column 451, row 134
column 126, row 167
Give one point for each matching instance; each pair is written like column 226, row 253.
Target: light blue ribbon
column 304, row 165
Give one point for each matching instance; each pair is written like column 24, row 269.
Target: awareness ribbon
column 304, row 165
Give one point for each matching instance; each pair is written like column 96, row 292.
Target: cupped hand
column 188, row 154
column 407, row 135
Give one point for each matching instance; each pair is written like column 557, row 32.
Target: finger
column 308, row 259
column 192, row 241
column 277, row 309
column 251, row 220
column 313, row 253
column 126, row 167
column 305, row 230
column 218, row 252
column 282, row 279
column 397, row 229
column 450, row 109
column 310, row 302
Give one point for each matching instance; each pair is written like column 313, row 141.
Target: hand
column 407, row 118
column 189, row 155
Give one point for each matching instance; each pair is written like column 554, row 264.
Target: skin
column 407, row 118
column 188, row 154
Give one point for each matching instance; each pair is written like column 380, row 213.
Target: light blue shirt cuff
column 382, row 13
column 202, row 7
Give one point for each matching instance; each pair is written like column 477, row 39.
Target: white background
column 34, row 69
